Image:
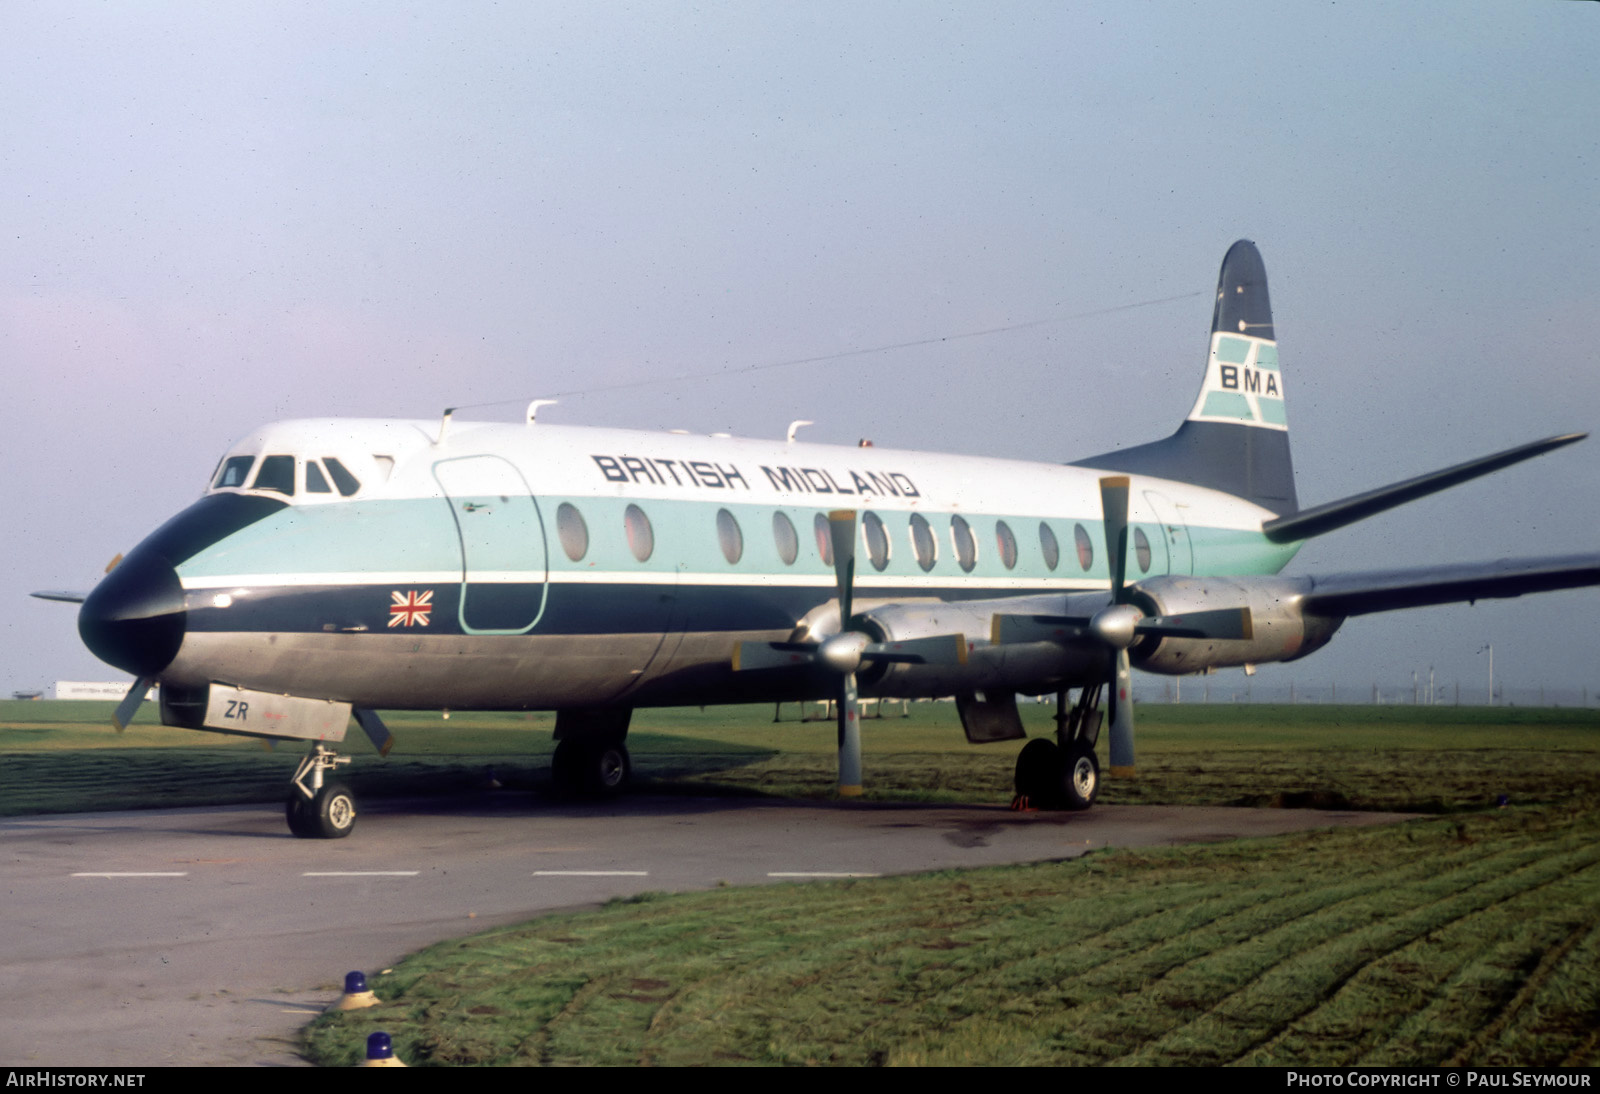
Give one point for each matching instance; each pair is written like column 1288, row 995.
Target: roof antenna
column 794, row 427
column 444, row 424
column 533, row 407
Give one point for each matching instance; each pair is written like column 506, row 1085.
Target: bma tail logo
column 1243, row 383
column 410, row 608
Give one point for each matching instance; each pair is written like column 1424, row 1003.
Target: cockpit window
column 233, row 472
column 277, row 473
column 316, row 482
column 347, row 483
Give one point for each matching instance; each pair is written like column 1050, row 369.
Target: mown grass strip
column 1273, row 951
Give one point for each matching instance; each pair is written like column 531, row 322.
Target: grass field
column 63, row 757
column 1468, row 936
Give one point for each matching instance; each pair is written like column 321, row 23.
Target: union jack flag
column 410, row 608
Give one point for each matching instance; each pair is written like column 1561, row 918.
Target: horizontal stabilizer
column 65, row 598
column 1381, row 591
column 1337, row 514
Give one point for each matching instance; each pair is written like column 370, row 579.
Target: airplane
column 336, row 567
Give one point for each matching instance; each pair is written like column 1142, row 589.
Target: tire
column 608, row 770
column 1038, row 775
column 297, row 811
column 333, row 812
column 1080, row 777
column 587, row 769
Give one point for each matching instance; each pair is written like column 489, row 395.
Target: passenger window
column 641, row 537
column 1085, row 545
column 234, row 472
column 347, row 483
column 1049, row 545
column 1141, row 549
column 315, row 482
column 965, row 542
column 1007, row 543
column 824, row 539
column 729, row 537
column 877, row 541
column 787, row 539
column 276, row 473
column 572, row 530
column 923, row 543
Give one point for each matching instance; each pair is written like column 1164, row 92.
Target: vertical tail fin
column 1236, row 439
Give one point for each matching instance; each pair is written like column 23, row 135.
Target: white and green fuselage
column 544, row 566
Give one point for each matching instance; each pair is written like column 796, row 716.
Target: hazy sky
column 217, row 215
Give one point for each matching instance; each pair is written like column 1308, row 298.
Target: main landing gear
column 322, row 810
column 591, row 759
column 1064, row 773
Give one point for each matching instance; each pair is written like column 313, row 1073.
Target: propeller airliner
column 336, row 567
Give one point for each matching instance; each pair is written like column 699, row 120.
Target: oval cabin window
column 965, row 543
column 1007, row 543
column 729, row 537
column 1049, row 546
column 824, row 538
column 641, row 537
column 923, row 544
column 573, row 531
column 786, row 538
column 1085, row 545
column 877, row 541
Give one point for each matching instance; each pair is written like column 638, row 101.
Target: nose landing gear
column 322, row 810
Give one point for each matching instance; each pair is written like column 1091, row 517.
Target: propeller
column 844, row 653
column 1120, row 624
column 1117, row 625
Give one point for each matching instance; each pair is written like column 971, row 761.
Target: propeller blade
column 376, row 731
column 1230, row 623
column 1114, row 512
column 1006, row 629
column 943, row 649
column 842, row 528
column 773, row 655
column 122, row 717
column 849, row 737
column 1120, row 699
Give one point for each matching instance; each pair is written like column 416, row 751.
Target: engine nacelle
column 1282, row 630
column 1032, row 667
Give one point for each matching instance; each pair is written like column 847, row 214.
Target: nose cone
column 134, row 619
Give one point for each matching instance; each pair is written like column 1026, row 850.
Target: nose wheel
column 316, row 808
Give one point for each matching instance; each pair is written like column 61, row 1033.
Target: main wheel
column 1080, row 776
column 1039, row 773
column 588, row 769
column 608, row 770
column 333, row 812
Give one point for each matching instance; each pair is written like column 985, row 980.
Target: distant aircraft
column 336, row 567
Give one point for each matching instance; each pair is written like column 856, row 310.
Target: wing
column 1389, row 590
